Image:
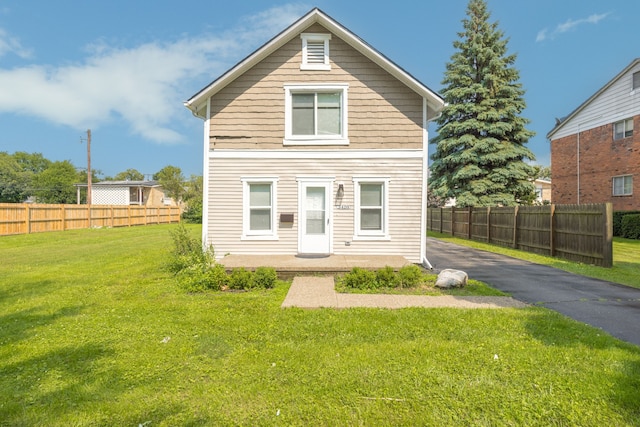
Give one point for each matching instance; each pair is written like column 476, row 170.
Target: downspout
column 205, row 176
column 425, row 170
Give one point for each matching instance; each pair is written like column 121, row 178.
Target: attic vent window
column 315, row 51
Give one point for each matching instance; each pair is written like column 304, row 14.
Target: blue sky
column 123, row 68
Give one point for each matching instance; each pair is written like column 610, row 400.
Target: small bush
column 199, row 278
column 410, row 275
column 264, row 277
column 617, row 221
column 187, row 251
column 630, row 228
column 359, row 278
column 240, row 278
column 387, row 278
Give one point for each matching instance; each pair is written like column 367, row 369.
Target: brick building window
column 623, row 129
column 623, row 185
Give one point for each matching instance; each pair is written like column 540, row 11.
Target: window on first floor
column 623, row 185
column 623, row 129
column 259, row 207
column 371, row 208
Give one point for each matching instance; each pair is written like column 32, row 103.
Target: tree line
column 32, row 177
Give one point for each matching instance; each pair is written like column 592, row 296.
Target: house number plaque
column 343, row 207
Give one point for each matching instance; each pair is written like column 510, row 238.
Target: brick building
column 595, row 150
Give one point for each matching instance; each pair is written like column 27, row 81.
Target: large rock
column 451, row 279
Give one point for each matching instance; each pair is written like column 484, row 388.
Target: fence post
column 441, row 221
column 469, row 216
column 607, row 235
column 129, row 216
column 515, row 227
column 453, row 221
column 552, row 230
column 63, row 215
column 28, row 218
column 489, row 224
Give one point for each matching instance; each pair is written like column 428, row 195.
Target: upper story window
column 315, row 51
column 316, row 114
column 623, row 185
column 636, row 80
column 623, row 129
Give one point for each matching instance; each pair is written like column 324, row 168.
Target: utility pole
column 88, row 166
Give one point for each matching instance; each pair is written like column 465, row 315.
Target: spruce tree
column 480, row 147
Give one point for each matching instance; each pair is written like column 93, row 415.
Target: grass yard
column 626, row 259
column 94, row 332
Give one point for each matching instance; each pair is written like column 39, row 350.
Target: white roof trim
column 582, row 106
column 197, row 103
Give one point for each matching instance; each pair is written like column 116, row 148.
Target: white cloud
column 143, row 85
column 9, row 44
column 569, row 25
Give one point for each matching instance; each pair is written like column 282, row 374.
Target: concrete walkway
column 609, row 306
column 317, row 292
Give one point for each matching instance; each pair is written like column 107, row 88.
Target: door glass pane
column 371, row 219
column 315, row 213
column 302, row 114
column 370, row 194
column 329, row 116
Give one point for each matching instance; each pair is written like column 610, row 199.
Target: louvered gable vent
column 315, row 51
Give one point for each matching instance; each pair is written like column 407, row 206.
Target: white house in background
column 316, row 144
column 123, row 193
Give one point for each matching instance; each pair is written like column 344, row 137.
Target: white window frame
column 247, row 233
column 291, row 139
column 315, row 38
column 627, row 128
column 359, row 234
column 623, row 178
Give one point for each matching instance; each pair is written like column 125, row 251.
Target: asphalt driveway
column 609, row 306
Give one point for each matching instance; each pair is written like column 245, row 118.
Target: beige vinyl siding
column 383, row 112
column 224, row 230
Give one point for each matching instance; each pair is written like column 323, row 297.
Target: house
column 122, row 193
column 543, row 190
column 595, row 150
column 315, row 144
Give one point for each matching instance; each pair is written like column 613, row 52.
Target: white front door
column 314, row 214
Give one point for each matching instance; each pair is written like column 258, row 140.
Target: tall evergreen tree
column 480, row 147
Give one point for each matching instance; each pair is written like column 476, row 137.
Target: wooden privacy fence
column 582, row 233
column 16, row 218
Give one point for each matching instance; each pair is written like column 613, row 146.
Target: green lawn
column 93, row 331
column 626, row 259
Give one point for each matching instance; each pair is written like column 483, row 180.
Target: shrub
column 617, row 221
column 359, row 278
column 199, row 278
column 410, row 275
column 264, row 277
column 387, row 278
column 240, row 278
column 631, row 226
column 187, row 251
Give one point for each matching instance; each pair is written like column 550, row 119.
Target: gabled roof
column 560, row 123
column 197, row 102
